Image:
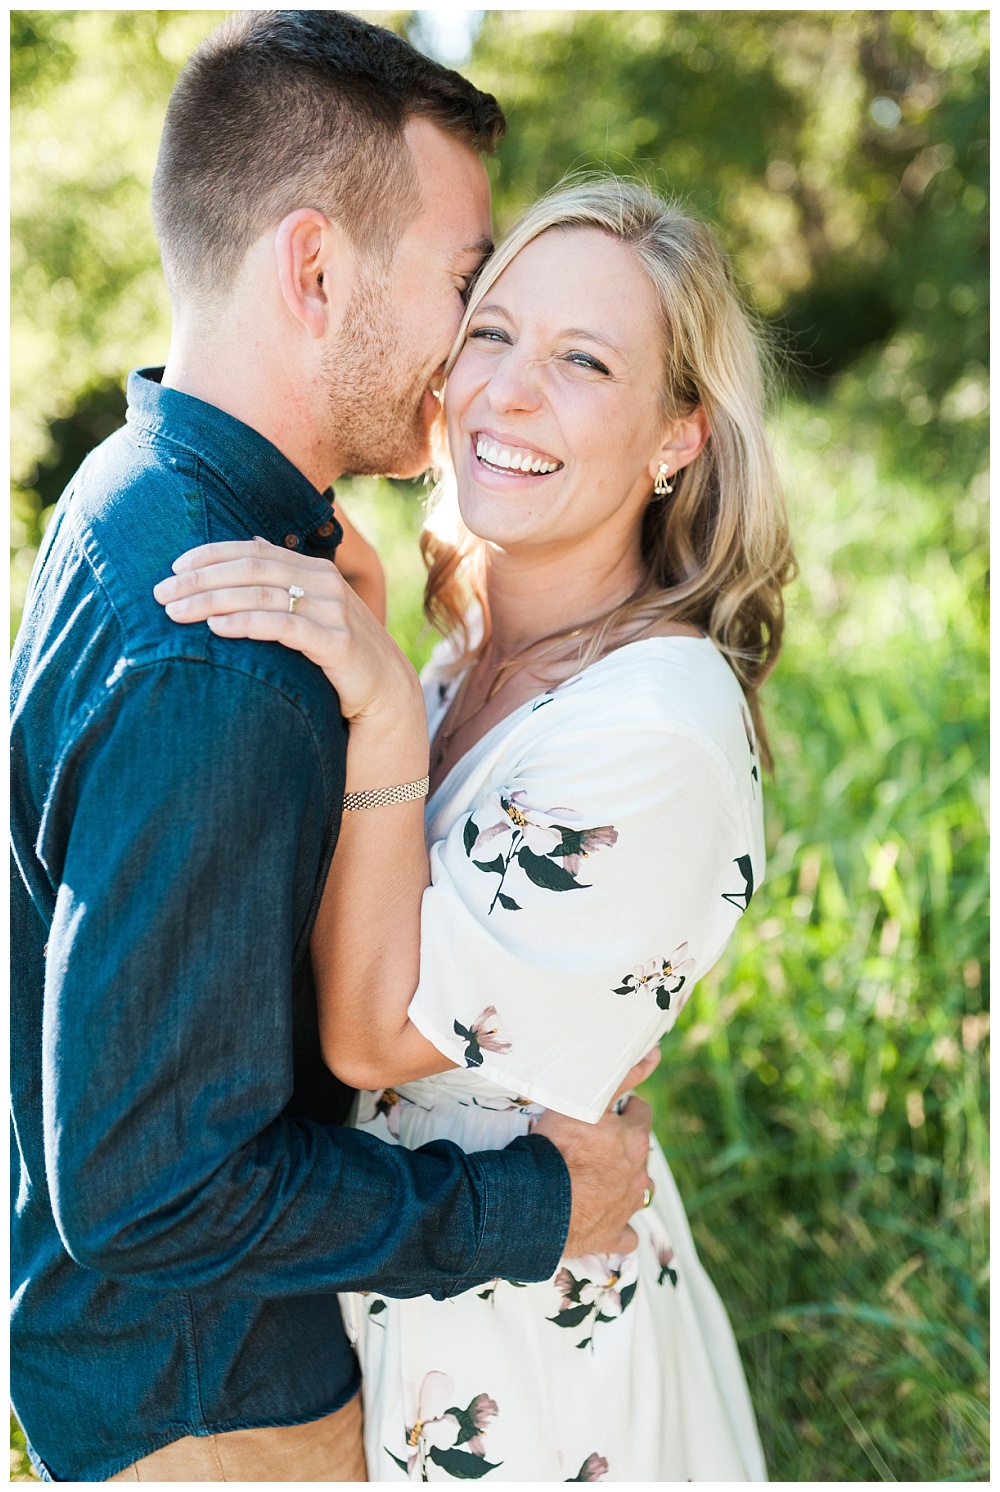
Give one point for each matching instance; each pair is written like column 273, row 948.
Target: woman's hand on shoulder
column 246, row 588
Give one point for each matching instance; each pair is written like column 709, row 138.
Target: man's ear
column 315, row 269
column 685, row 439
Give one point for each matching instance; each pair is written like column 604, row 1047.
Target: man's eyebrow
column 482, row 248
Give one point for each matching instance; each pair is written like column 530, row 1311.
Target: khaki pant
column 325, row 1450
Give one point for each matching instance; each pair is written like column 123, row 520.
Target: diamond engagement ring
column 295, row 594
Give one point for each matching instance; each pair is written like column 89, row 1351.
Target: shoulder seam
column 155, row 433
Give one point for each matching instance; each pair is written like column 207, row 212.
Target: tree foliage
column 842, row 156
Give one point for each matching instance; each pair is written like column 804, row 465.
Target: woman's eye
column 489, row 334
column 584, row 360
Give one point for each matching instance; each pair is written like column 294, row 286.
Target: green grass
column 822, row 1100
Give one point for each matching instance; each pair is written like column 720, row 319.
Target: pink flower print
column 592, row 1469
column 662, row 977
column 488, row 1032
column 596, row 1293
column 674, row 975
column 432, row 1424
column 570, row 1289
column 516, row 818
column 482, row 1036
column 548, row 851
column 481, row 1411
column 384, row 1101
column 440, row 1432
column 578, row 844
column 665, row 1258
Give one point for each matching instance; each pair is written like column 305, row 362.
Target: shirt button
column 325, row 530
column 291, row 541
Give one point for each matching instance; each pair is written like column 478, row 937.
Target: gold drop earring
column 663, row 486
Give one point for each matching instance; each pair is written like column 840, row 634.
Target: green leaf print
column 573, row 1316
column 401, row 1464
column 473, row 1055
column 491, row 1289
column 600, row 1301
column 546, row 872
column 461, row 1464
column 467, row 1427
column 551, row 855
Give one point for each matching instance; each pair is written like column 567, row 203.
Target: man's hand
column 607, row 1168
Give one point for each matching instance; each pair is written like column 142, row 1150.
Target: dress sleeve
column 573, row 909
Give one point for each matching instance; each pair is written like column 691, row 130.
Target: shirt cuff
column 527, row 1203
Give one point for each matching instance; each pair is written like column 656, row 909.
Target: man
column 188, row 1202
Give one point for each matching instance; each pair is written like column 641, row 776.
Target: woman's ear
column 315, row 270
column 685, row 439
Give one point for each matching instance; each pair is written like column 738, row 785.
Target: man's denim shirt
column 187, row 1200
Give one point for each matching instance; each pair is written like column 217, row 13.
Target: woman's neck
column 533, row 598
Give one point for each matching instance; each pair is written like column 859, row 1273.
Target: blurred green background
column 822, row 1102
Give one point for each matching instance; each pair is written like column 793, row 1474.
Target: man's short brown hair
column 281, row 109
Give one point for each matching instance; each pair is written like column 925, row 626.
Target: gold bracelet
column 379, row 797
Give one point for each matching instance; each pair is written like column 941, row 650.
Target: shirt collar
column 284, row 505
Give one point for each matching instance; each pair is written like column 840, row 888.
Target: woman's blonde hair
column 717, row 552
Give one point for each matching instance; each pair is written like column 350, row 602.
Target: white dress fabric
column 590, row 857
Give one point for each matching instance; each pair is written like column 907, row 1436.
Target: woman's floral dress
column 590, row 858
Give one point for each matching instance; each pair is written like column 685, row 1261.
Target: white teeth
column 513, row 460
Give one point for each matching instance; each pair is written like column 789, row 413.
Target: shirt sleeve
column 571, row 912
column 187, row 865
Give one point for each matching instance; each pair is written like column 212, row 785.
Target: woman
column 594, row 820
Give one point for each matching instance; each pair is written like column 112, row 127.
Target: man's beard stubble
column 376, row 400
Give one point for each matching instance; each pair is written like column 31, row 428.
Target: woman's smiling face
column 554, row 404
